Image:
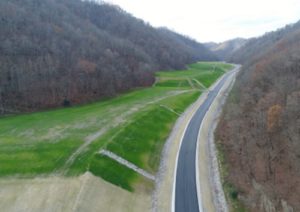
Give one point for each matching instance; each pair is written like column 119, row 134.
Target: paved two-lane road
column 186, row 195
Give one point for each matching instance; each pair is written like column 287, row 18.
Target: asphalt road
column 186, row 197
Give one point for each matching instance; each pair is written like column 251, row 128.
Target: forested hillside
column 62, row 52
column 256, row 48
column 225, row 49
column 260, row 128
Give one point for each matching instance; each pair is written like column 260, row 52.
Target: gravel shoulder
column 213, row 198
column 162, row 197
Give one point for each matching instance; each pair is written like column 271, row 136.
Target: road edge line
column 199, row 193
column 176, row 161
column 198, row 185
column 177, row 155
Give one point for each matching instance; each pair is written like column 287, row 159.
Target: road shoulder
column 211, row 189
column 162, row 197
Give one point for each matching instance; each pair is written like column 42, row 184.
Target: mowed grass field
column 134, row 126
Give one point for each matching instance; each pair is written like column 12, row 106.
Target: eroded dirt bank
column 84, row 193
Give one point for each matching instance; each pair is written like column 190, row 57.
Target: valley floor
column 51, row 159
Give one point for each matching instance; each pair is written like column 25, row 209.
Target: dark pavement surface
column 186, row 199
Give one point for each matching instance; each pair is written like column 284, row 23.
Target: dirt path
column 199, row 83
column 114, row 123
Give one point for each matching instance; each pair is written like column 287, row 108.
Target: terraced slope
column 66, row 142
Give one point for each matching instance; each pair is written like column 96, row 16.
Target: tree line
column 259, row 130
column 65, row 52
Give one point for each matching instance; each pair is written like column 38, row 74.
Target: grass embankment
column 134, row 126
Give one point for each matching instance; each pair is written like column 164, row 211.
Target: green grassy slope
column 134, row 125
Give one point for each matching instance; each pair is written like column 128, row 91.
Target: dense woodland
column 65, row 52
column 260, row 128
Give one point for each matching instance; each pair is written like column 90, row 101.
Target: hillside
column 256, row 48
column 225, row 49
column 58, row 152
column 144, row 117
column 190, row 44
column 65, row 52
column 259, row 130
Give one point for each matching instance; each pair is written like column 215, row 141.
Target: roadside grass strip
column 127, row 164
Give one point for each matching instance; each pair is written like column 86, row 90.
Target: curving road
column 187, row 199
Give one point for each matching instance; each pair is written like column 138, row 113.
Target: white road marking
column 200, row 205
column 175, row 170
